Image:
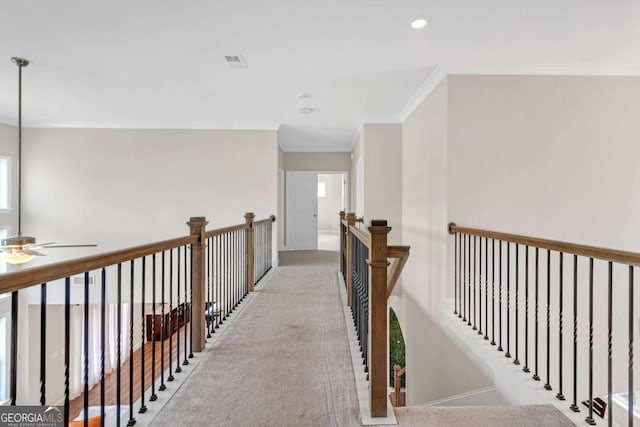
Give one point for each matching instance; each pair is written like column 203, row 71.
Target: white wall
column 437, row 365
column 317, row 162
column 378, row 151
column 122, row 187
column 554, row 157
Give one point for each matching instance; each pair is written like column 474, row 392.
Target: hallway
column 284, row 361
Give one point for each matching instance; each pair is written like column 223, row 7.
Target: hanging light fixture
column 19, row 249
column 15, row 248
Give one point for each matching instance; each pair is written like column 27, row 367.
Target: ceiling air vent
column 235, row 61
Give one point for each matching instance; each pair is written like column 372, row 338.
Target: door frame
column 347, row 199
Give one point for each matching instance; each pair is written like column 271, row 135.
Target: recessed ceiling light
column 419, row 23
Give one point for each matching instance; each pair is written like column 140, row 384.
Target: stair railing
column 179, row 290
column 364, row 264
column 492, row 271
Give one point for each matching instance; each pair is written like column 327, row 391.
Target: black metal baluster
column 631, row 392
column 475, row 283
column 526, row 310
column 218, row 282
column 610, row 347
column 486, row 288
column 464, row 279
column 163, row 326
column 103, row 341
column 479, row 289
column 186, row 306
column 535, row 340
column 13, row 388
column 153, row 396
column 455, row 273
column 180, row 313
column 493, row 292
column 209, row 300
column 574, row 406
column 560, row 395
column 589, row 418
column 508, row 353
column 469, row 280
column 190, row 304
column 517, row 360
column 132, row 420
column 171, row 314
column 547, row 386
column 119, row 343
column 67, row 346
column 43, row 342
column 143, row 407
column 86, row 350
column 500, row 296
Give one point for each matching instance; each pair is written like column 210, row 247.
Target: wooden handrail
column 272, row 218
column 225, row 230
column 362, row 235
column 17, row 280
column 623, row 257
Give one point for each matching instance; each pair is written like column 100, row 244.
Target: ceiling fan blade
column 32, row 252
column 37, row 245
column 73, row 246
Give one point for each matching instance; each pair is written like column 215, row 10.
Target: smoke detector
column 235, row 61
column 306, row 110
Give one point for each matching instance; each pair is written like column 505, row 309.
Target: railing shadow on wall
column 370, row 278
column 135, row 306
column 516, row 291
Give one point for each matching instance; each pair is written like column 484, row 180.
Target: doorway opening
column 331, row 200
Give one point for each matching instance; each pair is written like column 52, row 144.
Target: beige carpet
column 284, row 361
column 482, row 416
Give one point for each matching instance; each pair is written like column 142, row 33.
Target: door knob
column 315, row 215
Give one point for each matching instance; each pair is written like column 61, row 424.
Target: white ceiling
column 160, row 63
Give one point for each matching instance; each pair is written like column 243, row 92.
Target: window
column 4, row 183
column 322, row 189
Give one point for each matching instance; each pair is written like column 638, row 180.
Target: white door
column 302, row 210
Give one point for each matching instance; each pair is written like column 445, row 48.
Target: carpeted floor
column 284, row 361
column 482, row 416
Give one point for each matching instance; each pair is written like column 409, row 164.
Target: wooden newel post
column 378, row 264
column 351, row 220
column 342, row 215
column 197, row 225
column 249, row 216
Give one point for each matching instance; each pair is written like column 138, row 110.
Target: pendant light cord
column 20, row 62
column 19, row 149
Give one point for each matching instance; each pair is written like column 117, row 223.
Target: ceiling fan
column 20, row 249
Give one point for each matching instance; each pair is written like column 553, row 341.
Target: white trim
column 425, row 89
column 316, row 148
column 461, row 396
column 362, row 384
column 442, row 71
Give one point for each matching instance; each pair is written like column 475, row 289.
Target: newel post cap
column 379, row 226
column 249, row 216
column 273, row 218
column 197, row 222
